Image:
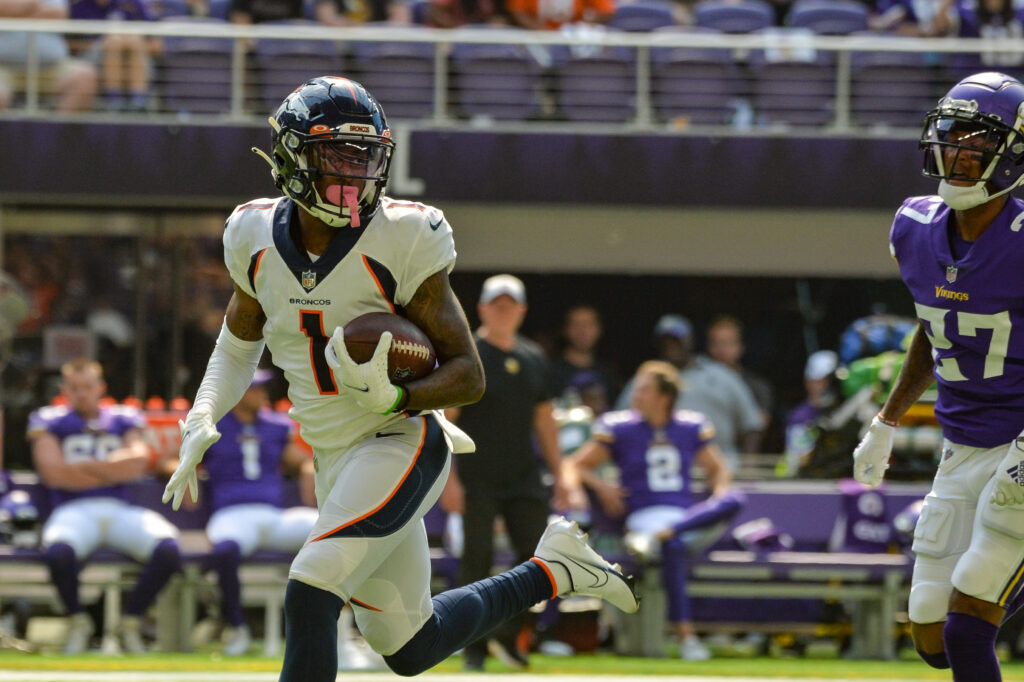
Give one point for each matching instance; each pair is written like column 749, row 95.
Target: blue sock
column 710, row 511
column 673, row 577
column 465, row 614
column 225, row 560
column 938, row 660
column 60, row 559
column 971, row 648
column 163, row 563
column 310, row 634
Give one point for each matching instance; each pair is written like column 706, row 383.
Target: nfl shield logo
column 950, row 273
column 309, row 279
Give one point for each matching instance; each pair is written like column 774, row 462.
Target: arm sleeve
column 228, row 374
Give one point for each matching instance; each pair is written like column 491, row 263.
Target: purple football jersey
column 654, row 464
column 973, row 311
column 82, row 439
column 244, row 466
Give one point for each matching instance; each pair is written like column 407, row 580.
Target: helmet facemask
column 975, row 156
column 334, row 175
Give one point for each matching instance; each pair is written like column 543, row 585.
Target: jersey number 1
column 311, row 322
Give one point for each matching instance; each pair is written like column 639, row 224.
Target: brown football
column 411, row 356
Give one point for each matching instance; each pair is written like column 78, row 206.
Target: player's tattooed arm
column 914, row 379
column 459, row 377
column 245, row 316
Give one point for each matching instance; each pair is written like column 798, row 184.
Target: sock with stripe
column 465, row 614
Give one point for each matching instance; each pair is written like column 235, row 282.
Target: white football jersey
column 377, row 268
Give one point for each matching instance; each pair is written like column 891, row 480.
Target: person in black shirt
column 503, row 477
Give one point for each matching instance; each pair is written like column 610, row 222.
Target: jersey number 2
column 311, row 322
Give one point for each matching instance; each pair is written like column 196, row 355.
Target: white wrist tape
column 228, row 374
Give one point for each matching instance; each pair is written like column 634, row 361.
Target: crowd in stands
column 123, row 72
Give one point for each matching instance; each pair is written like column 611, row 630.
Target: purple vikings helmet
column 331, row 129
column 19, row 520
column 982, row 115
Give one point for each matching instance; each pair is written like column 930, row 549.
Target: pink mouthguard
column 337, row 193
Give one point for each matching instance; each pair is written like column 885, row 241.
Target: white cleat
column 131, row 635
column 692, row 649
column 578, row 569
column 238, row 641
column 80, row 629
column 352, row 657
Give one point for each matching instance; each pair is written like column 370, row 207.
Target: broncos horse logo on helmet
column 981, row 118
column 331, row 150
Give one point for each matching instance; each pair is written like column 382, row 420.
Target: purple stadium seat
column 893, row 88
column 401, row 75
column 196, row 72
column 698, row 85
column 745, row 16
column 220, row 9
column 793, row 84
column 169, row 8
column 497, row 81
column 599, row 87
column 829, row 17
column 284, row 64
column 642, row 16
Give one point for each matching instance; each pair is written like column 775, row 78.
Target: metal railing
column 778, row 82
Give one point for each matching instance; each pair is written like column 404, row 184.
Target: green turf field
column 582, row 665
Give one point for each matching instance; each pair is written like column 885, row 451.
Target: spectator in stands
column 86, row 455
column 988, row 20
column 653, row 447
column 579, row 364
column 123, row 59
column 453, row 13
column 72, row 83
column 538, row 15
column 355, row 12
column 820, row 385
column 707, row 387
column 920, row 18
column 260, row 11
column 725, row 345
column 503, row 477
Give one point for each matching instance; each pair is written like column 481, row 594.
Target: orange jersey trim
column 364, row 605
column 380, row 288
column 551, row 576
column 412, row 465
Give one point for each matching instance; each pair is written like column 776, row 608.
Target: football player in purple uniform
column 654, row 447
column 304, row 265
column 960, row 255
column 245, row 481
column 85, row 454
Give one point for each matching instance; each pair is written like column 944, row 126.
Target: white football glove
column 197, row 434
column 367, row 383
column 1009, row 489
column 871, row 456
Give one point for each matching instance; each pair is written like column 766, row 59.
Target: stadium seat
column 196, row 72
column 496, row 81
column 892, row 88
column 169, row 8
column 598, row 87
column 642, row 16
column 283, row 64
column 793, row 83
column 401, row 74
column 745, row 16
column 829, row 17
column 695, row 85
column 220, row 9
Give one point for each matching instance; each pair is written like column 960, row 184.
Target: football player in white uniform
column 332, row 249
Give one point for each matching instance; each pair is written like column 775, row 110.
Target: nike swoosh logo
column 434, row 226
column 364, row 389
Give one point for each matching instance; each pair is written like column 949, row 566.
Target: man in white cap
column 819, row 373
column 503, row 477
